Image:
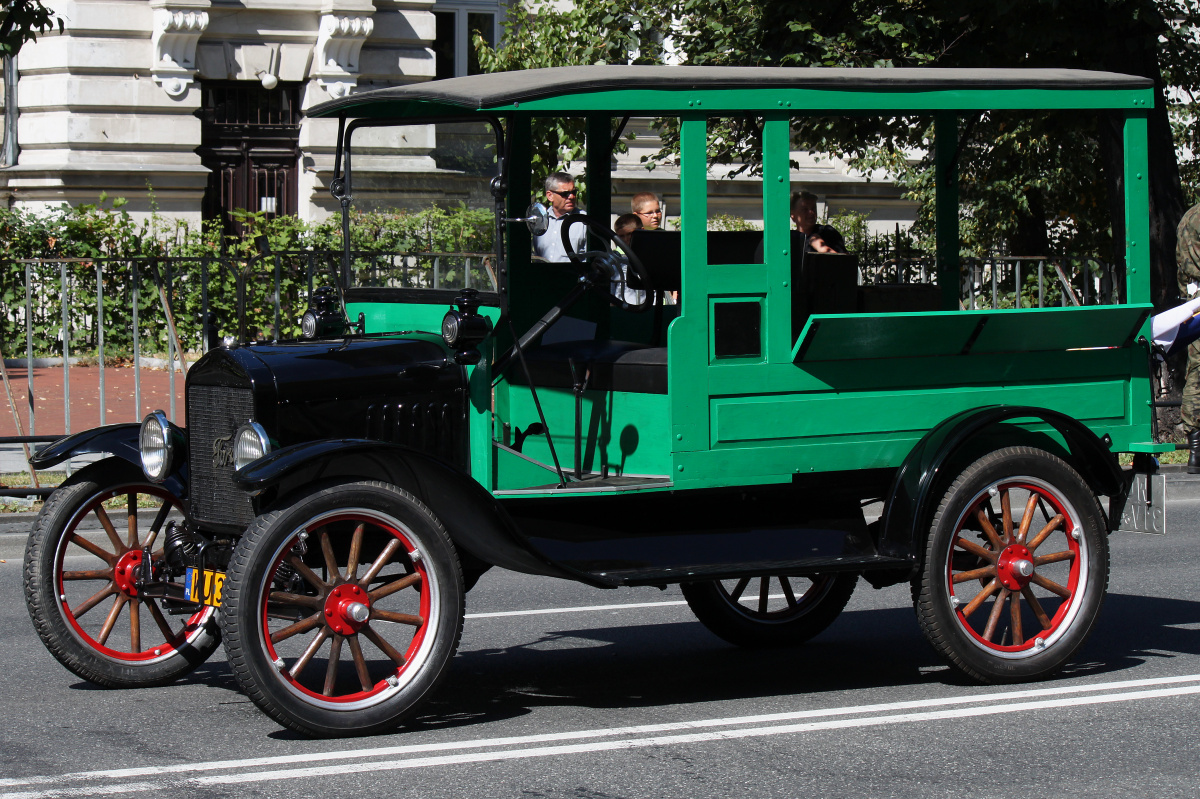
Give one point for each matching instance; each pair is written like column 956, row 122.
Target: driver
column 560, row 197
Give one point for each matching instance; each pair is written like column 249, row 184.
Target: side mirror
column 536, row 218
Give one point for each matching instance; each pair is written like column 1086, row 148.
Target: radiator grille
column 214, row 414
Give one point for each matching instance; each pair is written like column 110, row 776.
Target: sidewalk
column 48, row 396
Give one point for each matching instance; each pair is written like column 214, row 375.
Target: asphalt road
column 564, row 691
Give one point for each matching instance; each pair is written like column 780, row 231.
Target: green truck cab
column 345, row 491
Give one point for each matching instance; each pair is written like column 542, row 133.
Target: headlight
column 250, row 444
column 450, row 328
column 308, row 325
column 156, row 446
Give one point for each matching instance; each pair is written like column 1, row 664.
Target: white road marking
column 999, row 701
column 579, row 609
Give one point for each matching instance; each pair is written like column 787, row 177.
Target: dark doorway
column 250, row 140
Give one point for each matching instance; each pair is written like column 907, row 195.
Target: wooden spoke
column 360, row 663
column 975, row 549
column 135, row 628
column 1027, row 517
column 980, row 598
column 284, row 598
column 95, row 600
column 94, row 574
column 157, row 524
column 739, row 588
column 380, row 562
column 384, row 646
column 355, row 551
column 994, row 617
column 764, row 592
column 975, row 574
column 1006, row 515
column 331, row 669
column 95, row 549
column 131, row 519
column 1014, row 602
column 984, row 522
column 786, row 584
column 331, row 565
column 309, row 652
column 109, row 530
column 160, row 620
column 308, row 574
column 1042, row 618
column 394, row 586
column 1050, row 527
column 111, row 621
column 399, row 618
column 1050, row 586
column 302, row 626
column 1042, row 560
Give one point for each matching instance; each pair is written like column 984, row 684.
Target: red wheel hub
column 126, row 571
column 1015, row 567
column 347, row 609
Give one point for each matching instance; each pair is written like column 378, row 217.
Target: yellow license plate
column 204, row 586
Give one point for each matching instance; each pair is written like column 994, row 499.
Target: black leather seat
column 614, row 366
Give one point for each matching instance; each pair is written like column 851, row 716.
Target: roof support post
column 777, row 238
column 1137, row 209
column 599, row 166
column 945, row 135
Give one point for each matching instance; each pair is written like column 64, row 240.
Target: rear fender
column 959, row 440
column 476, row 522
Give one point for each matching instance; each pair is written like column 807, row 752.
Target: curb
column 45, row 363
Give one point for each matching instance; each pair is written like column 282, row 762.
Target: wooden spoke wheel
column 770, row 610
column 1016, row 567
column 343, row 609
column 82, row 561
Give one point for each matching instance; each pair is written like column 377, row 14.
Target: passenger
column 648, row 209
column 817, row 238
column 560, row 198
column 625, row 225
column 1187, row 257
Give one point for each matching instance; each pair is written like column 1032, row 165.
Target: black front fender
column 474, row 519
column 914, row 491
column 118, row 440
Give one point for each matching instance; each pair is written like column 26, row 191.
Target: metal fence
column 165, row 312
column 1011, row 281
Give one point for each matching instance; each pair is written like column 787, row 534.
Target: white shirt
column 549, row 245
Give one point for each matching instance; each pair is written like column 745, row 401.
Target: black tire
column 804, row 607
column 978, row 569
column 322, row 646
column 121, row 648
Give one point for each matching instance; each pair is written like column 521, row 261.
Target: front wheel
column 772, row 610
column 1016, row 567
column 82, row 564
column 343, row 609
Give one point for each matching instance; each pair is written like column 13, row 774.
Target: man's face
column 804, row 214
column 651, row 215
column 562, row 198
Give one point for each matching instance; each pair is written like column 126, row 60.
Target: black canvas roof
column 504, row 88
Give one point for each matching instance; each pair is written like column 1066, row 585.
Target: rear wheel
column 81, row 566
column 1016, row 567
column 772, row 610
column 343, row 609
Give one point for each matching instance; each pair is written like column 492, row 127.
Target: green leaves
column 22, row 21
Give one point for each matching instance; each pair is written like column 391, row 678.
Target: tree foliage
column 23, row 20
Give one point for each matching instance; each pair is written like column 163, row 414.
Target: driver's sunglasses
column 571, row 193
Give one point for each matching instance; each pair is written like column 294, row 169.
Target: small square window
column 737, row 329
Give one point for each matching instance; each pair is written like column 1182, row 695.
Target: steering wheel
column 604, row 266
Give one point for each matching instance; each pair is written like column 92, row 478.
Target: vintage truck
column 330, row 500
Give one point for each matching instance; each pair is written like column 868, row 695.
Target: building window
column 454, row 35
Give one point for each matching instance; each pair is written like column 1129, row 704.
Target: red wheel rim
column 95, row 589
column 1016, row 567
column 348, row 623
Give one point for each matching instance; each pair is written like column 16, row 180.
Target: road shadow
column 682, row 663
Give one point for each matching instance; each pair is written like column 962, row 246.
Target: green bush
column 122, row 257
